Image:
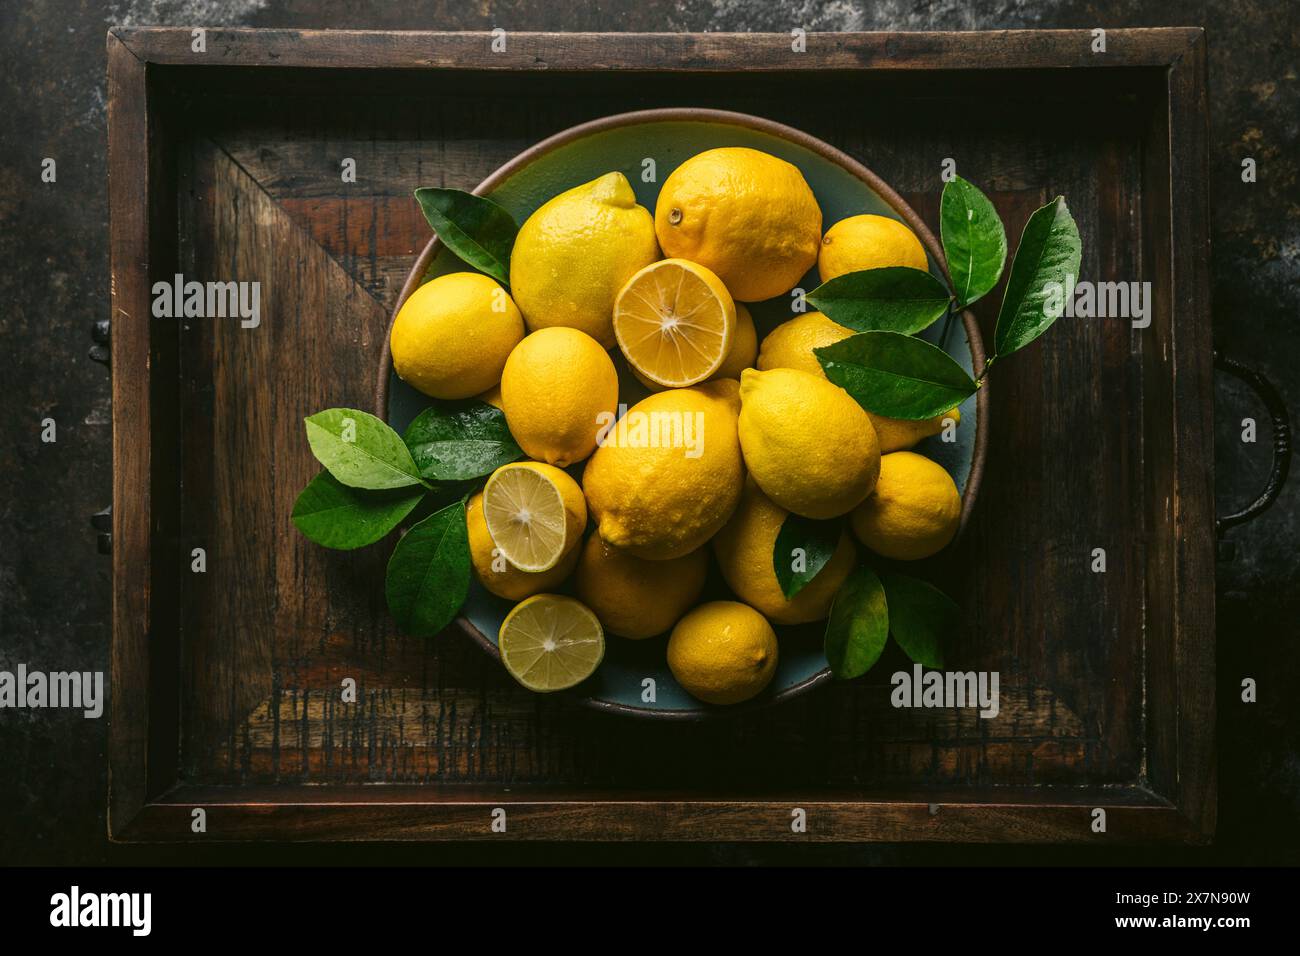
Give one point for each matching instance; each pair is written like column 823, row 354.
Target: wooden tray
column 226, row 165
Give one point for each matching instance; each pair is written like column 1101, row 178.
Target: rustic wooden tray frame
column 149, row 802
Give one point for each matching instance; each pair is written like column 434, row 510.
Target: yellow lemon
column 535, row 514
column 492, row 396
column 898, row 434
column 634, row 597
column 811, row 448
column 675, row 322
column 574, row 254
column 747, row 215
column 868, row 242
column 668, row 476
column 723, row 652
column 558, row 389
column 791, row 344
column 744, row 347
column 744, row 549
column 451, row 338
column 497, row 574
column 914, row 511
column 551, row 642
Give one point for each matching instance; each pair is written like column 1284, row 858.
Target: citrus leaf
column 360, row 450
column 1049, row 251
column 858, row 627
column 895, row 298
column 428, row 574
column 475, row 228
column 336, row 516
column 453, row 441
column 806, row 543
column 921, row 618
column 896, row 375
column 974, row 241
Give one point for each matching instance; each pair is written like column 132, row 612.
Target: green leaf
column 921, row 618
column 428, row 574
column 816, row 539
column 360, row 450
column 896, row 375
column 896, row 298
column 1049, row 251
column 452, row 441
column 858, row 627
column 974, row 241
column 475, row 228
column 336, row 516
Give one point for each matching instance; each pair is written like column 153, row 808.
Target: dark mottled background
column 54, row 588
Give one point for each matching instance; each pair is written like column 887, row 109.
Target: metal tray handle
column 1272, row 400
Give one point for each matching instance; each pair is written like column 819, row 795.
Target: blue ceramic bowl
column 671, row 136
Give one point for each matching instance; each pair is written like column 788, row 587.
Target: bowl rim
column 974, row 339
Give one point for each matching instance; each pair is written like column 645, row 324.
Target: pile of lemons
column 734, row 437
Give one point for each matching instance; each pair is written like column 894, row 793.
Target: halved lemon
column 551, row 642
column 535, row 514
column 675, row 321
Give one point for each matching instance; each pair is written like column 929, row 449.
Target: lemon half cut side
column 535, row 514
column 675, row 322
column 550, row 642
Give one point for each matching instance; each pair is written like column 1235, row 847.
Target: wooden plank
column 401, row 730
column 148, row 557
column 663, row 52
column 132, row 485
column 1160, row 646
column 452, row 813
column 268, row 594
column 1193, row 474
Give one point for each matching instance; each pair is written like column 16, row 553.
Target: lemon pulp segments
column 526, row 518
column 550, row 642
column 675, row 321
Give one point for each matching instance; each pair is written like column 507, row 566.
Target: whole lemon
column 451, row 338
column 808, row 444
column 868, row 242
column 492, row 396
column 744, row 549
column 668, row 476
column 573, row 255
column 558, row 389
column 791, row 344
column 723, row 652
column 897, row 434
column 744, row 346
column 497, row 574
column 914, row 511
column 634, row 597
column 745, row 214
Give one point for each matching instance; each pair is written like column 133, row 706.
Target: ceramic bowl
column 844, row 187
